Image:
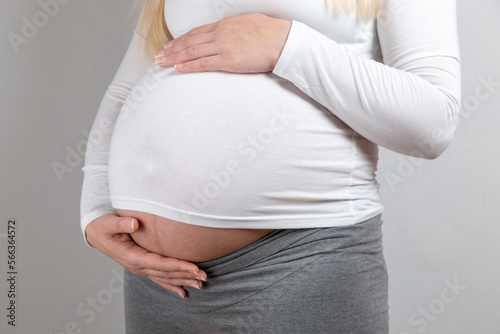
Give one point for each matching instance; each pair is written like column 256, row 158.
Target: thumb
column 129, row 224
column 122, row 225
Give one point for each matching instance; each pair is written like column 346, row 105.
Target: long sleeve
column 95, row 201
column 410, row 102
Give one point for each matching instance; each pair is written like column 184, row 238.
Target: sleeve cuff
column 292, row 43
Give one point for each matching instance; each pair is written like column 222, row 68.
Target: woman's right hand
column 110, row 235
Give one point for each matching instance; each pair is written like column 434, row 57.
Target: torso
column 229, row 157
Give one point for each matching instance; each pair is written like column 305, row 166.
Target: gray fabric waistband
column 271, row 244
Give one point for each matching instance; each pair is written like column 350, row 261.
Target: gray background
column 441, row 224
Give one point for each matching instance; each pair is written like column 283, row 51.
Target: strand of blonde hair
column 365, row 9
column 152, row 26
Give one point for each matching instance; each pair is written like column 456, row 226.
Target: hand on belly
column 189, row 242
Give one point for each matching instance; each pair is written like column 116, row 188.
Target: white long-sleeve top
column 294, row 148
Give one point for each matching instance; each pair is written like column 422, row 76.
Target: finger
column 191, row 53
column 147, row 263
column 166, row 264
column 175, row 289
column 178, row 282
column 174, row 275
column 110, row 228
column 184, row 42
column 115, row 225
column 210, row 63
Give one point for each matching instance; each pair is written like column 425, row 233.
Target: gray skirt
column 318, row 280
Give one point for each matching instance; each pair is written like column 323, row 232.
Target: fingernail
column 181, row 296
column 201, row 279
column 195, row 286
column 178, row 66
column 160, row 60
column 132, row 225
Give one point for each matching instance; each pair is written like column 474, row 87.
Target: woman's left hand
column 249, row 43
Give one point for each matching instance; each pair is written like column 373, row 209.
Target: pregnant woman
column 238, row 169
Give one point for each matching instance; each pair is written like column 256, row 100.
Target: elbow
column 426, row 144
column 433, row 145
column 437, row 110
column 436, row 152
column 439, row 133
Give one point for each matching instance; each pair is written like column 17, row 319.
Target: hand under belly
column 188, row 242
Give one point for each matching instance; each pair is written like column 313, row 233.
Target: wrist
column 87, row 240
column 285, row 27
column 88, row 235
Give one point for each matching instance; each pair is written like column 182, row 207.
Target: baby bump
column 226, row 144
column 223, row 147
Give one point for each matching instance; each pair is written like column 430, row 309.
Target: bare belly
column 188, row 242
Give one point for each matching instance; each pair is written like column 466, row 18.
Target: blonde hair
column 365, row 9
column 152, row 20
column 152, row 25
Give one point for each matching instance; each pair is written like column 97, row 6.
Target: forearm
column 410, row 107
column 95, row 201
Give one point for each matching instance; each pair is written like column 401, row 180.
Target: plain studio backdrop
column 441, row 226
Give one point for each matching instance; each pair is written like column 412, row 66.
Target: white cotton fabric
column 295, row 148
